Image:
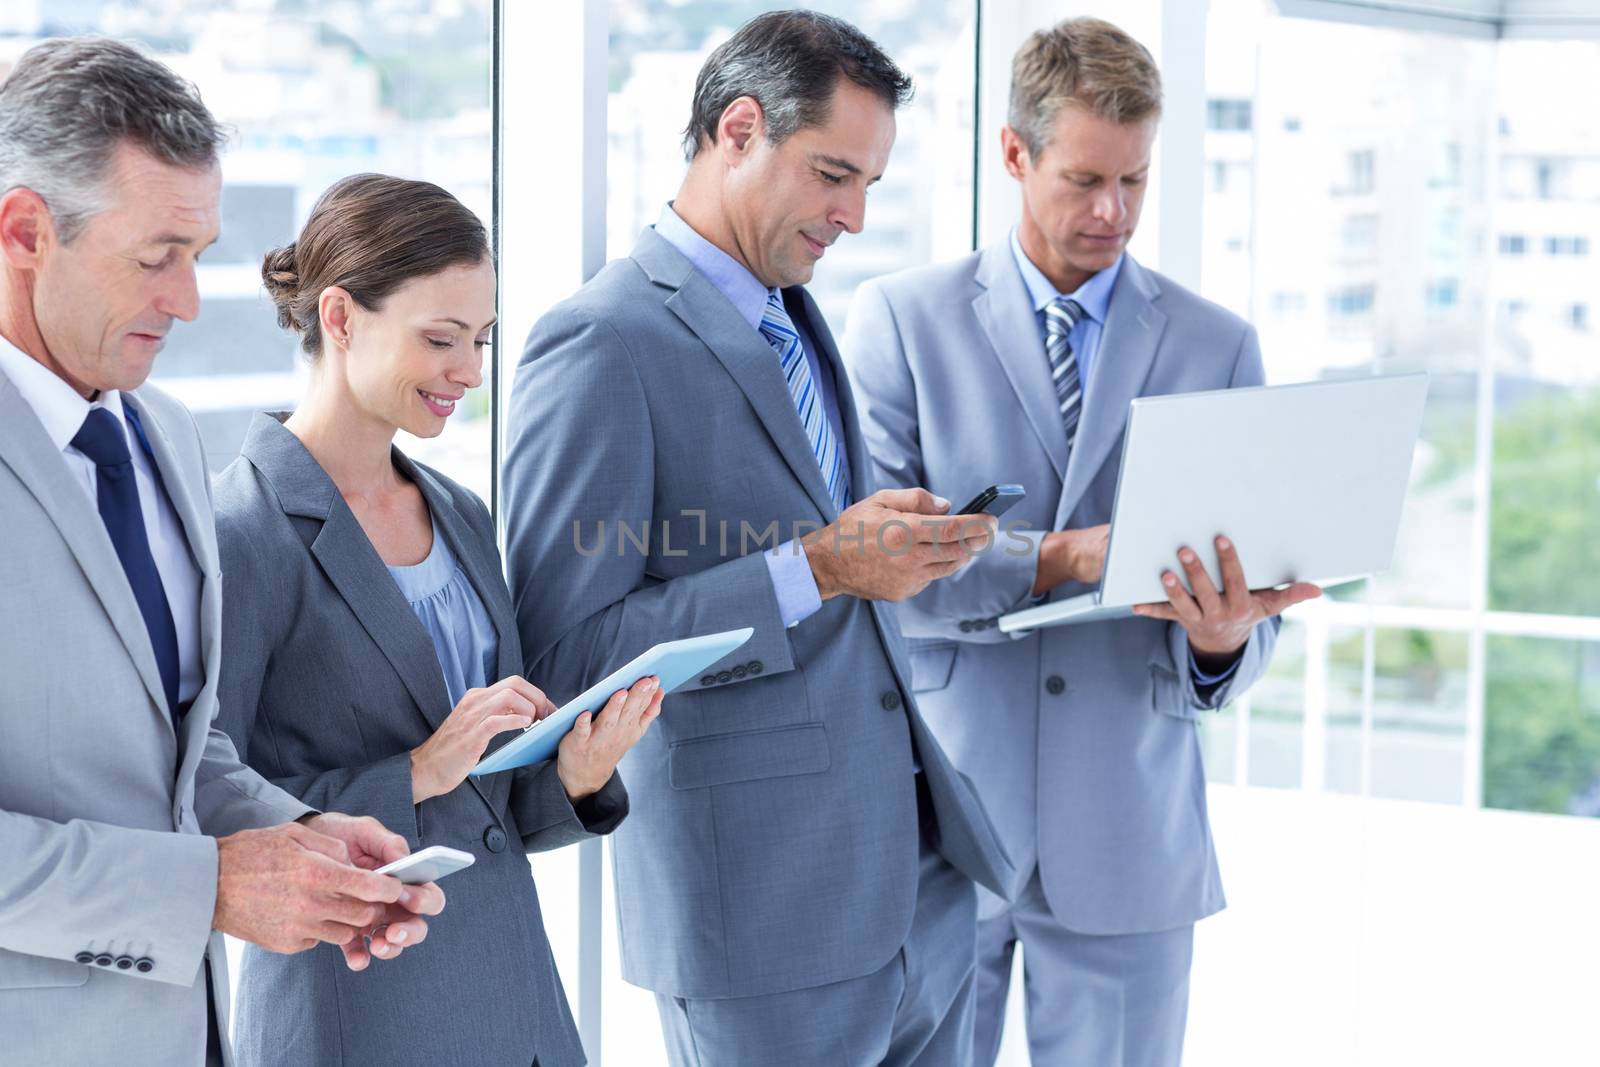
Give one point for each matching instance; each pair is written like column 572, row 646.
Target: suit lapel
column 1008, row 320
column 856, row 455
column 743, row 353
column 353, row 566
column 357, row 572
column 28, row 451
column 1128, row 343
column 198, row 530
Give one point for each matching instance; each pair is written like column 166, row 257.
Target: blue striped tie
column 1059, row 319
column 778, row 329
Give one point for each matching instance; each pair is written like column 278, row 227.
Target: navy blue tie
column 102, row 439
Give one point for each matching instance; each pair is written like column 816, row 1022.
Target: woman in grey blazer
column 370, row 650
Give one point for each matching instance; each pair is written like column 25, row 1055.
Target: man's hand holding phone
column 892, row 544
column 288, row 887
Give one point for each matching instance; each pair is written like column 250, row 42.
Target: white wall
column 1380, row 932
column 1383, row 933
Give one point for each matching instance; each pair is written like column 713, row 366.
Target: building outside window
column 1442, row 293
column 1228, row 115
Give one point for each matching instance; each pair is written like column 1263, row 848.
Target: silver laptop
column 1307, row 480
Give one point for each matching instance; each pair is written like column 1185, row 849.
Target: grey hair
column 67, row 105
column 790, row 62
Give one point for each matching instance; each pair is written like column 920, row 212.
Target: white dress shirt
column 61, row 411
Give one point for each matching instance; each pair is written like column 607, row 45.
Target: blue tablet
column 674, row 662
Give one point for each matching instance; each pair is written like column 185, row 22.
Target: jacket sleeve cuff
column 547, row 819
column 1205, row 679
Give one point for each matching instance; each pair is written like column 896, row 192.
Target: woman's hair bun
column 282, row 282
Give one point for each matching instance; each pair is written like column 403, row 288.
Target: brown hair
column 1083, row 61
column 368, row 234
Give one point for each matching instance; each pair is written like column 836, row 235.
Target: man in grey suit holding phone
column 796, row 879
column 131, row 837
column 1081, row 739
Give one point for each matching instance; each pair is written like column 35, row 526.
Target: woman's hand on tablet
column 441, row 762
column 589, row 754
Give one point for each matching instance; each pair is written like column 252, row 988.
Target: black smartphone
column 994, row 500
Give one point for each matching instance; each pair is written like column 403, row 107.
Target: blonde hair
column 1086, row 62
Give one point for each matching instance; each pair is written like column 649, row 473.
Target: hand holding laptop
column 1316, row 477
column 1219, row 622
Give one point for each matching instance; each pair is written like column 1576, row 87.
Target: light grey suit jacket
column 330, row 682
column 775, row 842
column 104, row 809
column 1082, row 738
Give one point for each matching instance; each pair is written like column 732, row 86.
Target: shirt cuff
column 1202, row 680
column 793, row 583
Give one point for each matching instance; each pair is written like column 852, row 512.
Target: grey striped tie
column 1059, row 319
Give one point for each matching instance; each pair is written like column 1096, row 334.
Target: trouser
column 1092, row 1000
column 916, row 1009
column 213, row 1032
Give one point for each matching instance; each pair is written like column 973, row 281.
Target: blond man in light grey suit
column 1016, row 363
column 131, row 837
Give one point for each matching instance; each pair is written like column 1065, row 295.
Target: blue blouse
column 457, row 622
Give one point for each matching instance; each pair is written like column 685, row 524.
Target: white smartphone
column 428, row 865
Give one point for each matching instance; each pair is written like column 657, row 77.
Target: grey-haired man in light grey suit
column 1016, row 364
column 131, row 837
column 795, row 881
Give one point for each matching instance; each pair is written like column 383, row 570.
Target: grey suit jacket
column 104, row 809
column 776, row 844
column 329, row 684
column 1081, row 739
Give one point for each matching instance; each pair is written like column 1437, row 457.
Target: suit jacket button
column 124, row 962
column 724, row 677
column 966, row 627
column 104, row 960
column 740, row 671
column 144, row 965
column 890, row 701
column 494, row 839
column 755, row 666
column 1054, row 685
column 708, row 679
column 85, row 958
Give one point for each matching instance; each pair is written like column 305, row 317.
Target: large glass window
column 312, row 93
column 1412, row 201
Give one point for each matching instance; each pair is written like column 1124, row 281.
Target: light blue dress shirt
column 1094, row 296
column 450, row 610
column 787, row 565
